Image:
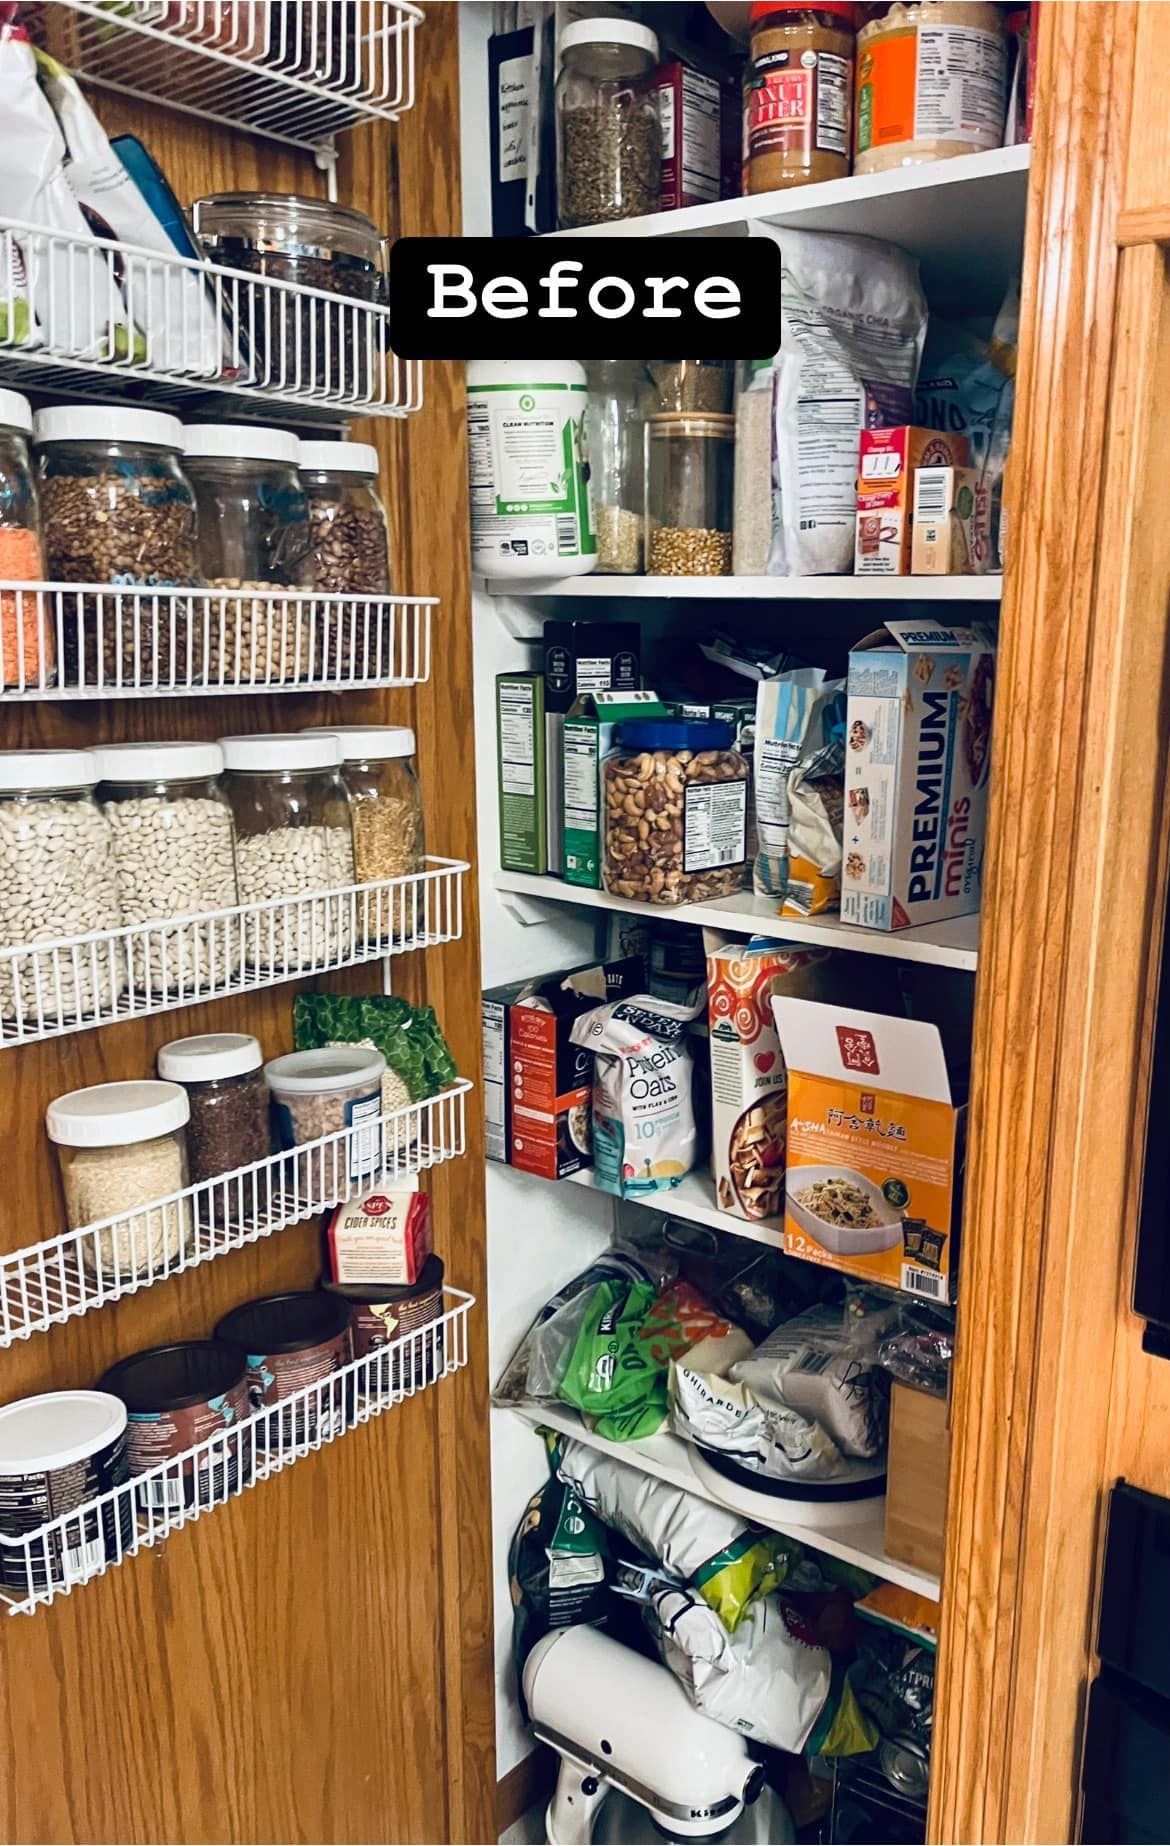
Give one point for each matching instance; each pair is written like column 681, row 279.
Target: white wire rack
column 87, row 317
column 38, row 1566
column 86, row 641
column 72, row 984
column 298, row 71
column 50, row 1282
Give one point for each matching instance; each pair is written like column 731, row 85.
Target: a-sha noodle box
column 874, row 1147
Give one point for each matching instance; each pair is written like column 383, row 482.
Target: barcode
column 81, row 1559
column 815, row 1362
column 567, row 534
column 930, row 500
column 162, row 1493
column 920, row 1282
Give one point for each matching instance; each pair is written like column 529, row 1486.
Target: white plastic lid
column 47, row 769
column 107, row 423
column 376, row 742
column 58, row 1429
column 243, row 441
column 117, row 1114
column 340, row 457
column 610, row 32
column 283, row 750
column 16, row 412
column 209, row 1055
column 157, row 762
column 331, row 1067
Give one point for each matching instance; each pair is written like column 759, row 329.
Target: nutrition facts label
column 715, row 826
column 960, row 85
column 517, row 740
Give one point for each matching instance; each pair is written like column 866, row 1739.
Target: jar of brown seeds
column 609, row 138
column 350, row 557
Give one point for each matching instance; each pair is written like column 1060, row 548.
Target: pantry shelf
column 51, row 1282
column 298, row 73
column 667, row 1458
column 694, row 1199
column 953, row 944
column 62, row 641
column 200, row 332
column 72, row 984
column 73, row 1549
column 754, row 589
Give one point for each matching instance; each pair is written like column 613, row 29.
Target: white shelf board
column 954, row 944
column 987, row 589
column 694, row 1199
column 666, row 1458
column 941, row 212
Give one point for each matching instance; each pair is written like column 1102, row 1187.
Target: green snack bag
column 613, row 1376
column 753, row 1566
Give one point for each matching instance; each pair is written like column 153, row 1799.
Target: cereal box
column 888, row 460
column 952, row 523
column 873, row 1146
column 918, row 735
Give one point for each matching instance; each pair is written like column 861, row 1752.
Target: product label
column 364, row 1144
column 886, row 73
column 274, row 1376
column 960, row 85
column 776, row 757
column 582, row 804
column 528, row 480
column 159, row 1436
column 714, row 825
column 517, row 739
column 513, row 86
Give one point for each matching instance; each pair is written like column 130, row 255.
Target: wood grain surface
column 312, row 1662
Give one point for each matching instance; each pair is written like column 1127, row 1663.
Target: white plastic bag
column 821, row 1367
column 677, row 1529
column 771, row 1440
column 768, row 1680
column 644, row 1137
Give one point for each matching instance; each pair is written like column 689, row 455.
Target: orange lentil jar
column 26, row 636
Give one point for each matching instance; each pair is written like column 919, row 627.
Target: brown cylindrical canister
column 294, row 1342
column 177, row 1396
column 379, row 1316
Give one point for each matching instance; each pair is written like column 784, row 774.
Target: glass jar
column 693, row 384
column 59, row 881
column 172, row 832
column 675, row 808
column 350, row 557
column 230, row 1124
column 385, row 805
column 253, row 535
column 300, row 343
column 609, row 137
column 326, row 1091
column 798, row 93
column 619, row 390
column 690, row 467
column 116, row 507
column 931, row 83
column 27, row 639
column 293, row 840
column 122, row 1147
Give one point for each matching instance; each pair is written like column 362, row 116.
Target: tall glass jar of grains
column 58, row 881
column 230, row 1128
column 293, row 841
column 253, row 535
column 117, row 508
column 609, row 138
column 690, row 463
column 122, row 1146
column 385, row 803
column 172, row 833
column 350, row 557
column 620, row 392
column 27, row 636
column 798, row 93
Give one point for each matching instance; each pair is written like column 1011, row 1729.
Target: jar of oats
column 675, row 812
column 385, row 805
column 122, row 1149
column 690, row 474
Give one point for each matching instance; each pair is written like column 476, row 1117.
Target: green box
column 521, row 772
column 588, row 736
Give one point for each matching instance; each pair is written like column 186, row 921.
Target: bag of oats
column 644, row 1137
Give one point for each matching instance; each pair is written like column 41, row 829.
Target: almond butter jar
column 798, row 93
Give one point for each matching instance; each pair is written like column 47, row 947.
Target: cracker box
column 952, row 523
column 918, row 735
column 873, row 1147
column 888, row 460
column 586, row 738
column 550, row 1080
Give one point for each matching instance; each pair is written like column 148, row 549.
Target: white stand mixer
column 620, row 1721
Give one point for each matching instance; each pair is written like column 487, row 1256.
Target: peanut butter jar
column 798, row 93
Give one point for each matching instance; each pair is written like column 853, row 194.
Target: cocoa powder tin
column 294, row 1342
column 380, row 1315
column 178, row 1396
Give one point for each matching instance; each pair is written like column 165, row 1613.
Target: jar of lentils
column 609, row 138
column 676, row 797
column 27, row 638
column 57, row 880
column 172, row 832
column 350, row 558
column 230, row 1126
column 117, row 508
column 690, row 477
column 254, row 535
column 377, row 767
column 122, row 1147
column 293, row 841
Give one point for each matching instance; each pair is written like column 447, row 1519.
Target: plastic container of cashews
column 675, row 812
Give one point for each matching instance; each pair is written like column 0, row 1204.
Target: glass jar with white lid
column 58, row 882
column 350, row 558
column 229, row 1130
column 609, row 136
column 173, row 849
column 377, row 767
column 122, row 1148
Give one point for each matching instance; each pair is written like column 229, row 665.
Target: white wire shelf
column 58, row 1557
column 65, row 641
column 298, row 72
column 51, row 1282
column 72, row 984
column 82, row 317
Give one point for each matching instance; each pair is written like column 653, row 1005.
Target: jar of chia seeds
column 229, row 1130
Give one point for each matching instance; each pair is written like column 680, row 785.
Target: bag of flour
column 644, row 1136
column 769, row 1680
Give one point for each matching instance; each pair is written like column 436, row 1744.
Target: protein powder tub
column 294, row 1342
column 178, row 1396
column 798, row 93
column 379, row 1315
column 122, row 1147
column 323, row 1091
column 931, row 83
column 531, row 514
column 230, row 1126
column 57, row 1452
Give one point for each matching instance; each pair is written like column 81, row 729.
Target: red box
column 382, row 1240
column 699, row 154
column 550, row 1080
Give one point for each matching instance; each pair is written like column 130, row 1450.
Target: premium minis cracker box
column 918, row 736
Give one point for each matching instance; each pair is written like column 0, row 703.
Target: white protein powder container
column 531, row 514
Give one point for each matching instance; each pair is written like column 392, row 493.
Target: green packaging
column 522, row 773
column 588, row 736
